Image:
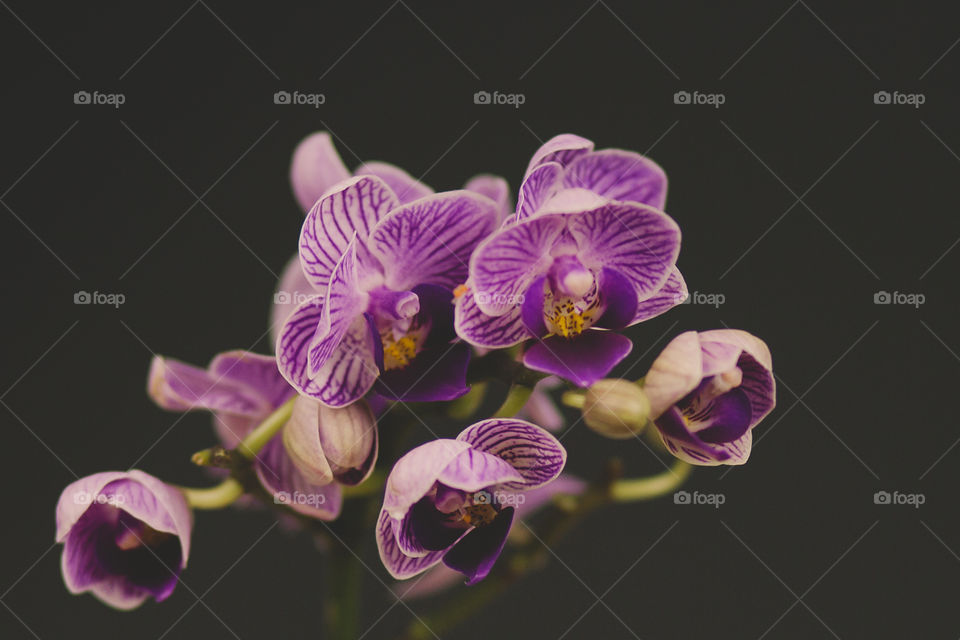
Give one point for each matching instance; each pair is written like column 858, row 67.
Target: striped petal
column 353, row 206
column 505, row 265
column 673, row 292
column 684, row 444
column 288, row 486
column 538, row 187
column 495, row 188
column 563, row 149
column 344, row 303
column 533, row 452
column 316, row 166
column 400, row 565
column 619, row 175
column 491, row 332
column 640, row 242
column 430, row 241
column 406, row 187
column 293, row 344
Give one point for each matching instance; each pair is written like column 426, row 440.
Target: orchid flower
column 588, row 251
column 125, row 535
column 242, row 389
column 707, row 391
column 316, row 166
column 381, row 311
column 454, row 500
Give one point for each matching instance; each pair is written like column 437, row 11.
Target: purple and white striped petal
column 563, row 149
column 430, row 241
column 282, row 479
column 256, row 371
column 178, row 386
column 400, row 565
column 474, row 470
column 688, row 447
column 756, row 364
column 672, row 293
column 639, row 241
column 316, row 166
column 619, row 175
column 490, row 332
column 505, row 265
column 351, row 369
column 415, row 473
column 676, row 372
column 293, row 344
column 292, row 288
column 345, row 302
column 405, row 186
column 495, row 188
column 532, row 451
column 538, row 187
column 353, row 206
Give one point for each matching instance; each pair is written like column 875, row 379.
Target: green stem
column 342, row 604
column 573, row 399
column 216, row 497
column 465, row 406
column 635, row 489
column 227, row 492
column 265, row 431
column 517, row 396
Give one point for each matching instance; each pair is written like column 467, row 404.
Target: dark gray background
column 105, row 199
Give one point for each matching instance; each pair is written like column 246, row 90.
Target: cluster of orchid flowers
column 398, row 294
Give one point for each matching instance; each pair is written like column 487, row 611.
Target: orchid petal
column 353, row 206
column 505, row 265
column 405, row 186
column 619, row 175
column 563, row 148
column 481, row 330
column 430, row 241
column 532, row 451
column 582, row 360
column 316, row 166
column 400, row 565
column 538, row 187
column 475, row 554
column 495, row 188
column 282, row 479
column 672, row 293
column 415, row 473
column 292, row 288
column 474, row 470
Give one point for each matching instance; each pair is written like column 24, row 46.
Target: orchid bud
column 328, row 444
column 615, row 408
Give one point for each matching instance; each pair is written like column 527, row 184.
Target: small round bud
column 616, row 408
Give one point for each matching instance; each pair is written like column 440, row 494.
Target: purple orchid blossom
column 125, row 535
column 316, row 166
column 242, row 389
column 454, row 500
column 588, row 251
column 383, row 275
column 707, row 391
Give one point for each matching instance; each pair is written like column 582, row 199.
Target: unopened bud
column 616, row 408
